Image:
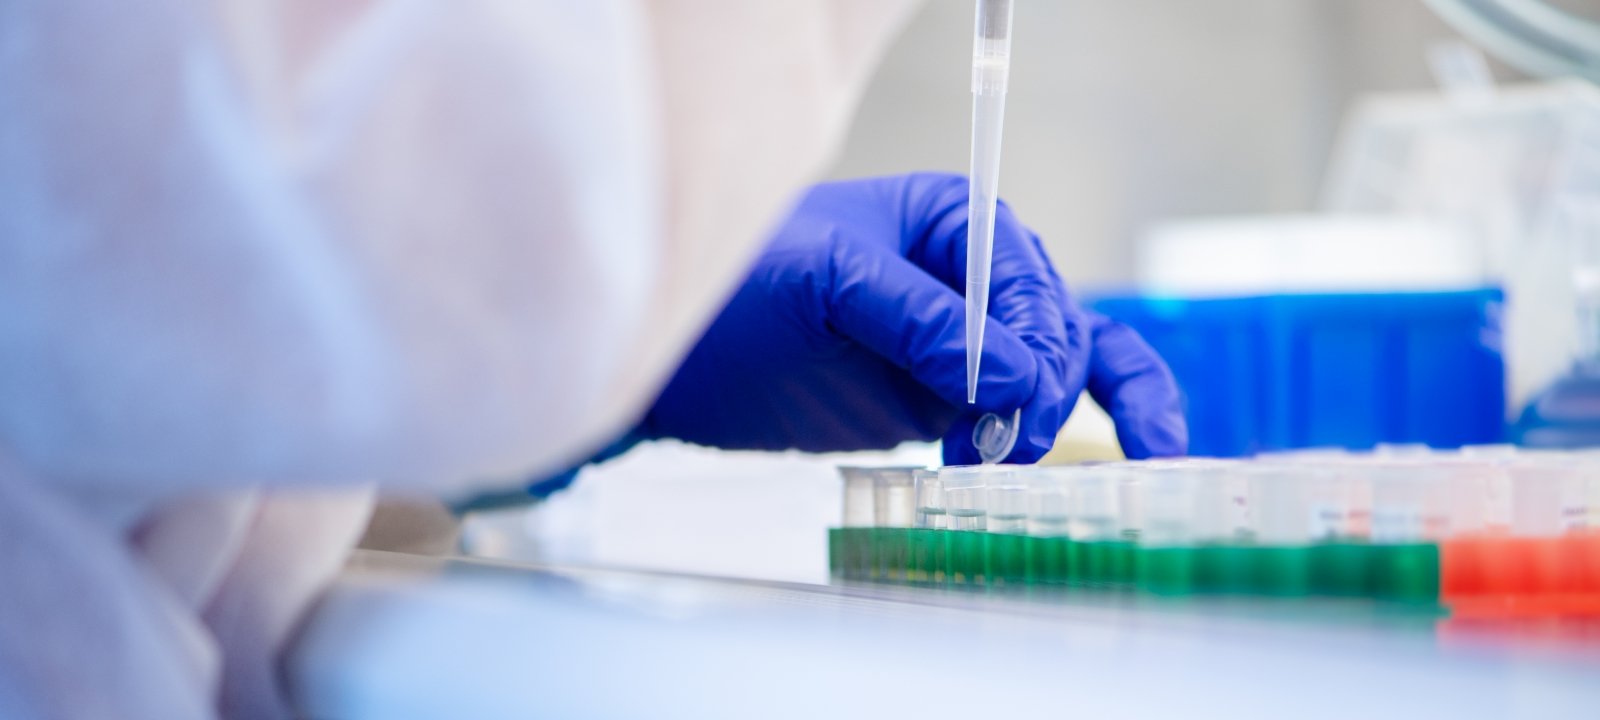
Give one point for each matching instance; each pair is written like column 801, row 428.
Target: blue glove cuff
column 542, row 488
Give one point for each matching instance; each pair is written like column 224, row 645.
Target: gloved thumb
column 899, row 311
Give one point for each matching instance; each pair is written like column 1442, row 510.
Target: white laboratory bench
column 403, row 637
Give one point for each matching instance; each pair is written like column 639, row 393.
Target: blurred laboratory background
column 1170, row 147
column 1127, row 113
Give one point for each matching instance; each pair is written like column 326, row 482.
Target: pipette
column 991, row 70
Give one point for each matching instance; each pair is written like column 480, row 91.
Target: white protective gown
column 258, row 256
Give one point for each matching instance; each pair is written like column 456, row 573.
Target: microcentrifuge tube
column 930, row 500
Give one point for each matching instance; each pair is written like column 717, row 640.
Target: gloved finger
column 1078, row 329
column 1044, row 416
column 1026, row 295
column 892, row 307
column 1131, row 382
column 957, row 447
column 1037, row 430
column 1062, row 379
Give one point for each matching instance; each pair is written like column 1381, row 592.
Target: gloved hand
column 848, row 335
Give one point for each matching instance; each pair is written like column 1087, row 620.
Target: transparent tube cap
column 995, row 436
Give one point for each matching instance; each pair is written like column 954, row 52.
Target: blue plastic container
column 1336, row 370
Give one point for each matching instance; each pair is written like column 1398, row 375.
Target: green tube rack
column 1406, row 572
column 1338, row 526
column 1480, row 530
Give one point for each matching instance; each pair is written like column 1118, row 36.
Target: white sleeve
column 420, row 242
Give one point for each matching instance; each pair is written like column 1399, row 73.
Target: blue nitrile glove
column 848, row 335
column 543, row 487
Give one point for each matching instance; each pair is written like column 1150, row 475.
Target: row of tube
column 1391, row 496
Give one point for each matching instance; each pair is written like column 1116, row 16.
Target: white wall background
column 1127, row 112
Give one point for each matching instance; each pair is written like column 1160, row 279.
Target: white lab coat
column 257, row 256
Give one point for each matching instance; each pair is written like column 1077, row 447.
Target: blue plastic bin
column 1336, row 370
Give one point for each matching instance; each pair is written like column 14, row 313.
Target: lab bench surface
column 411, row 637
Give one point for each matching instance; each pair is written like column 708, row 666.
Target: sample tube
column 1548, row 497
column 859, row 497
column 1409, row 515
column 1008, row 528
column 894, row 497
column 1356, row 484
column 1053, row 560
column 1096, row 521
column 930, row 500
column 1007, row 504
column 1399, row 502
column 1467, row 485
column 1282, row 525
column 930, row 550
column 1168, row 498
column 1222, row 502
column 966, row 496
column 1495, row 461
column 1535, row 557
column 850, row 547
column 1049, row 493
column 1329, row 496
column 1094, row 501
column 894, row 511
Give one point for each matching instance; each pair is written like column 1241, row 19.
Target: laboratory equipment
column 1280, row 372
column 1247, row 255
column 1470, row 533
column 991, row 71
column 1535, row 37
column 879, row 506
column 1567, row 413
column 1496, row 169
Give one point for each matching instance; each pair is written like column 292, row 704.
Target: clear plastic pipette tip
column 991, row 70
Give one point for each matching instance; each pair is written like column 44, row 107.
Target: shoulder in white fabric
column 287, row 242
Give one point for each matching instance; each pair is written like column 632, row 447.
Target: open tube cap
column 995, row 436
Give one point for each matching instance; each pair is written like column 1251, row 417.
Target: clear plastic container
column 1049, row 501
column 991, row 72
column 966, row 493
column 1007, row 503
column 859, row 497
column 930, row 500
column 1095, row 504
column 894, row 497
